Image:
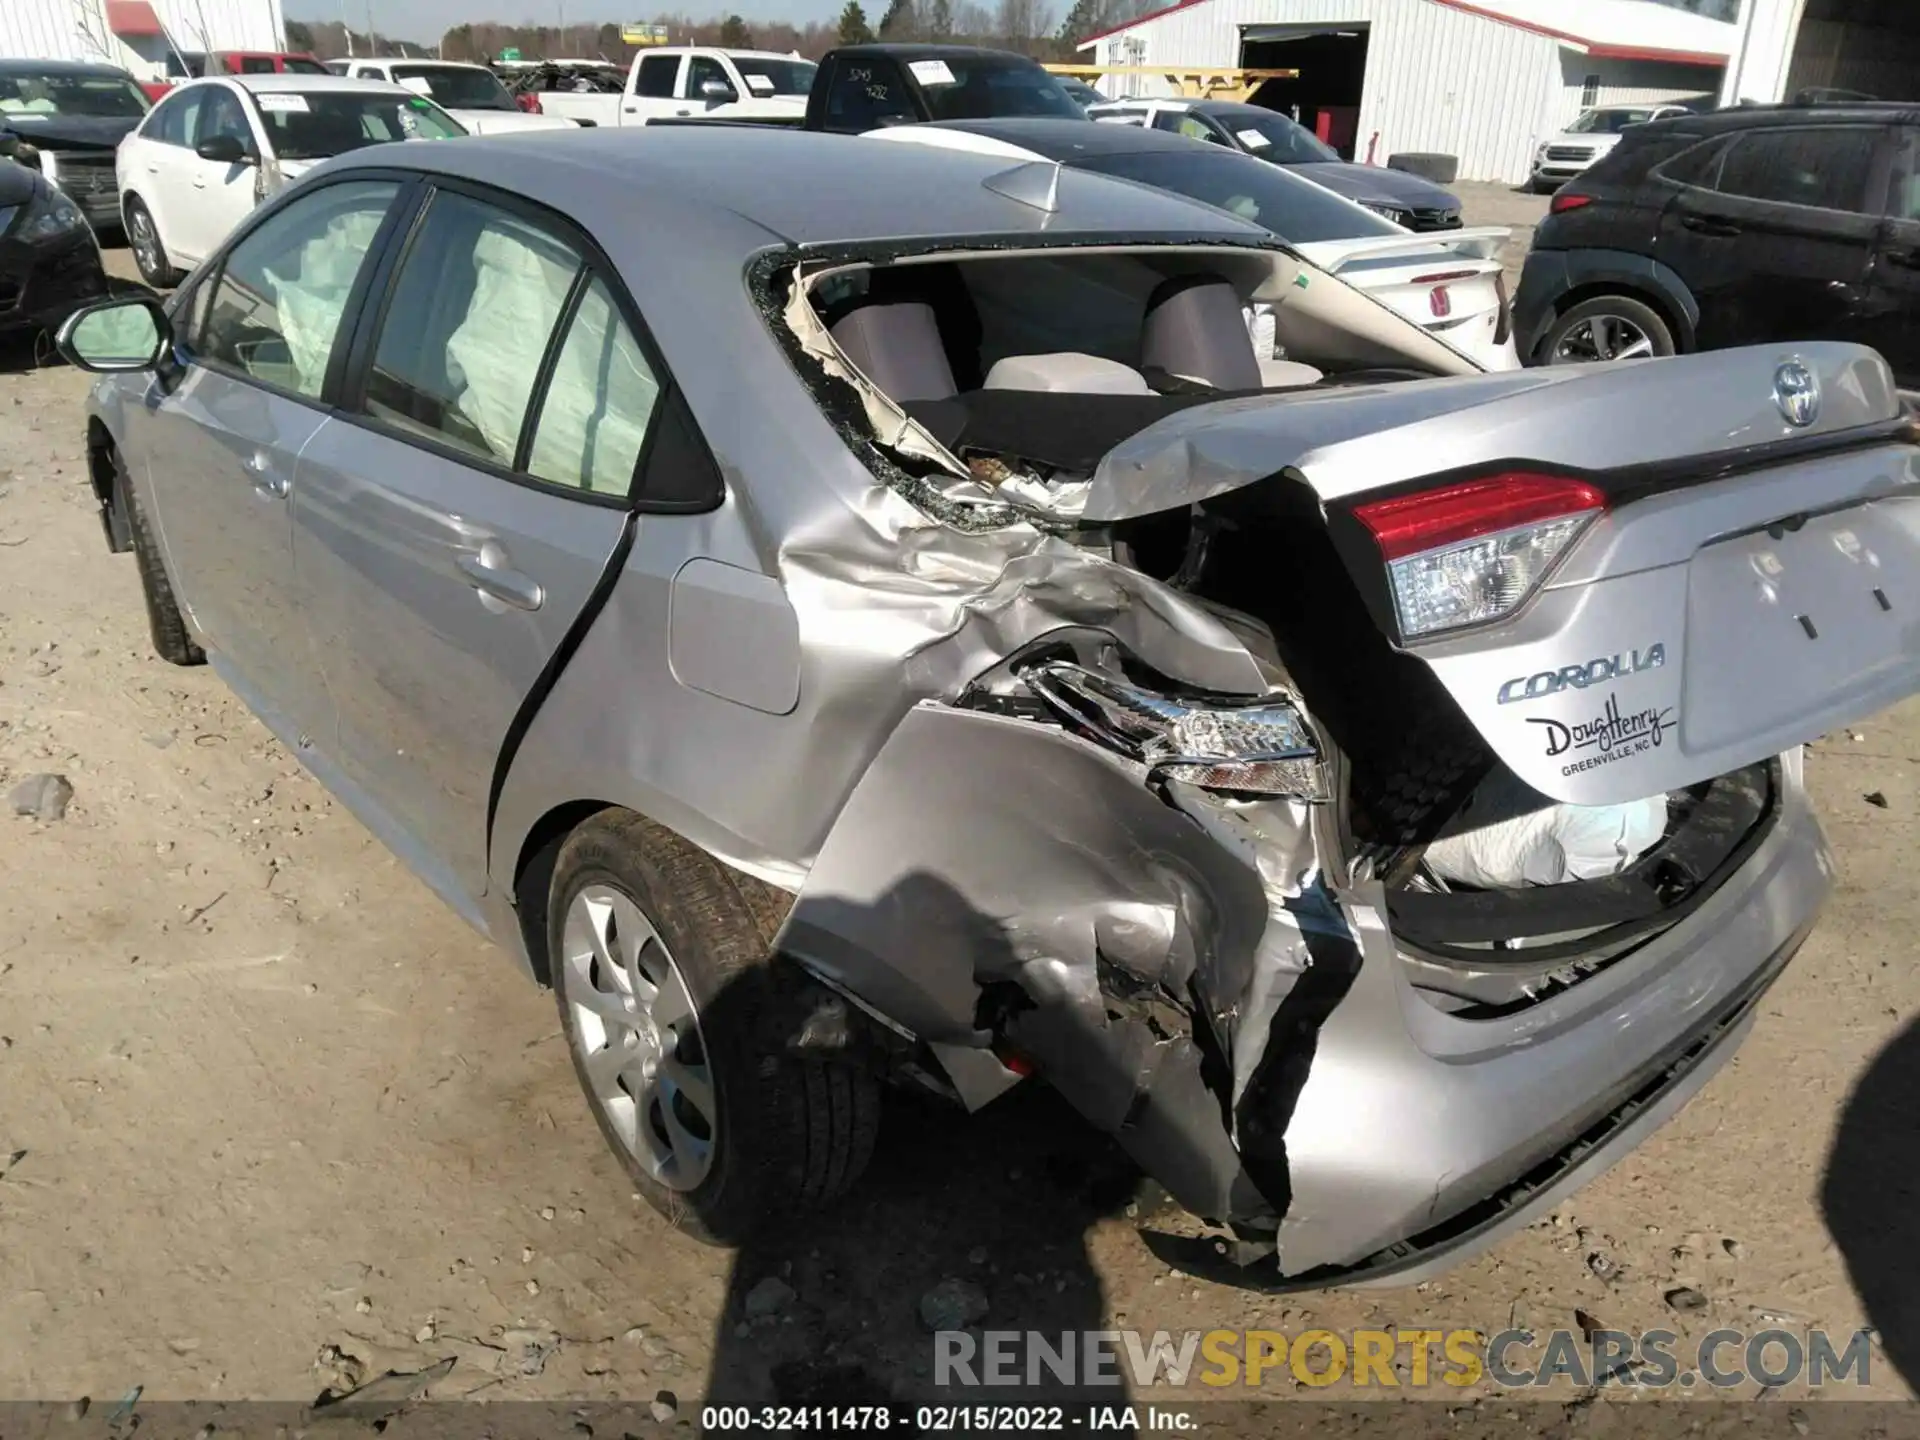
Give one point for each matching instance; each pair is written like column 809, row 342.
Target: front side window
column 457, row 87
column 700, row 72
column 1825, row 168
column 1609, row 122
column 90, row 97
column 593, row 420
column 323, row 123
column 478, row 297
column 256, row 65
column 277, row 309
column 173, row 118
column 763, row 76
column 656, row 76
column 298, row 65
column 221, row 115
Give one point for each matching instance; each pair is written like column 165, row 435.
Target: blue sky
column 428, row 20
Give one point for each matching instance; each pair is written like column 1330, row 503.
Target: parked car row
column 879, row 618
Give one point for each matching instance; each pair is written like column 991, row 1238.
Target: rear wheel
column 1605, row 328
column 172, row 640
column 148, row 253
column 681, row 1022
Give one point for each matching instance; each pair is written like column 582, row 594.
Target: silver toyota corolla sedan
column 844, row 614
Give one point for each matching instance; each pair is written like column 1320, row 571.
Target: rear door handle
column 490, row 571
column 1707, row 225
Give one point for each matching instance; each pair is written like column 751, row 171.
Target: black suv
column 1749, row 226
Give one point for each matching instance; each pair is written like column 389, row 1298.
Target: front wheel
column 148, row 252
column 682, row 1026
column 1606, row 328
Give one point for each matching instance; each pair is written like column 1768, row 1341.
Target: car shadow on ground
column 992, row 1209
column 1871, row 1197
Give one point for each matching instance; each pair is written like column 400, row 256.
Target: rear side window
column 865, row 94
column 656, row 75
column 1699, row 165
column 276, row 309
column 593, row 419
column 1824, row 168
column 255, row 65
column 477, row 300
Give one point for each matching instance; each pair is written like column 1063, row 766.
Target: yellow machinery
column 1188, row 82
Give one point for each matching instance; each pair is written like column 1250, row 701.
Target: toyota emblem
column 1797, row 393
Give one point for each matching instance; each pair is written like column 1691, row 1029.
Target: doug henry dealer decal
column 1610, row 736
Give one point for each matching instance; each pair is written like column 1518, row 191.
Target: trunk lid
column 1751, row 583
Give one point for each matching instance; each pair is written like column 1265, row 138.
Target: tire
column 1441, row 169
column 149, row 254
column 784, row 1127
column 172, row 640
column 1608, row 322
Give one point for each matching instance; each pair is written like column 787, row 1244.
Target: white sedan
column 213, row 149
column 1449, row 283
column 472, row 94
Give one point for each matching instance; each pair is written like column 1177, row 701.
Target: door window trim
column 356, row 362
column 404, row 204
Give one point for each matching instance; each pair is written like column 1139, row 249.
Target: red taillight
column 1409, row 524
column 1565, row 200
column 530, row 103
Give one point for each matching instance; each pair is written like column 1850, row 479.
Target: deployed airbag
column 1509, row 836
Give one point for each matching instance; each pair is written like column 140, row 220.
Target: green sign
column 510, row 54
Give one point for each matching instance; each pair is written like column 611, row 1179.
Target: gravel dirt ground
column 272, row 1120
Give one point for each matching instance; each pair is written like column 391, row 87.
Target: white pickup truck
column 724, row 84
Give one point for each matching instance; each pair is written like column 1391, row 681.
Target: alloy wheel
column 146, row 245
column 637, row 1035
column 1599, row 338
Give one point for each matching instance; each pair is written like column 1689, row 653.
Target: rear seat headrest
column 897, row 346
column 1195, row 329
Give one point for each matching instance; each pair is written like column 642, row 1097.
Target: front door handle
column 267, row 482
column 490, row 571
column 1707, row 225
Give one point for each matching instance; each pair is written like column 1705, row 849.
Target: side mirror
column 116, row 337
column 717, row 90
column 224, row 150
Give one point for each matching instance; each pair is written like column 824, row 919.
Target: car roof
column 802, row 187
column 931, row 52
column 1743, row 117
column 426, row 60
column 1066, row 139
column 282, row 82
column 58, row 67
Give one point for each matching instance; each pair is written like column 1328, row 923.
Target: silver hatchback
column 846, row 614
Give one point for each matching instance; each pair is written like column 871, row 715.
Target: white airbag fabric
column 596, row 410
column 518, row 293
column 1067, row 371
column 1551, row 846
column 310, row 304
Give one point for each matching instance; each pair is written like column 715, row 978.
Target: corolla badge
column 1797, row 392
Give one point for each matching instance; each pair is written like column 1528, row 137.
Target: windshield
column 96, row 97
column 456, row 86
column 1294, row 209
column 1274, row 138
column 314, row 126
column 987, row 87
column 1608, row 122
column 776, row 77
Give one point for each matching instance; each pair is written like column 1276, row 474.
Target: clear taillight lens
column 1260, row 746
column 1473, row 552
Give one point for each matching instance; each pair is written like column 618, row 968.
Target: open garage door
column 1869, row 46
column 1332, row 61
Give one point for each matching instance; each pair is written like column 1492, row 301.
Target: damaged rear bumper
column 1188, row 979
